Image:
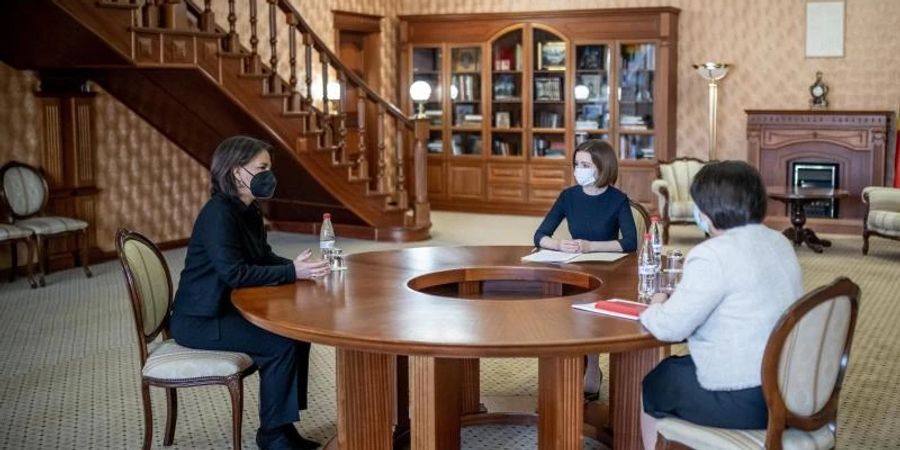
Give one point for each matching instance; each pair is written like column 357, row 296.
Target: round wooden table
column 797, row 198
column 445, row 307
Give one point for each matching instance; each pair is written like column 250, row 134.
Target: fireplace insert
column 817, row 175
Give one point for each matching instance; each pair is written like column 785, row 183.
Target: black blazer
column 227, row 250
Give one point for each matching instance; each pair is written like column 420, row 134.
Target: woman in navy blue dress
column 597, row 214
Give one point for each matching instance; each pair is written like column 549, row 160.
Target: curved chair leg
column 29, row 261
column 171, row 416
column 83, row 253
column 42, row 258
column 665, row 232
column 236, row 389
column 13, row 259
column 148, row 415
column 865, row 248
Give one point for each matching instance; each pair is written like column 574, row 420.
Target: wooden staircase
column 197, row 82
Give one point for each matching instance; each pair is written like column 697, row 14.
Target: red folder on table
column 614, row 307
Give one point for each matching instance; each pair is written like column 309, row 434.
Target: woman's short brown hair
column 603, row 157
column 233, row 152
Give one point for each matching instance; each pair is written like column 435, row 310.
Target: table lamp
column 712, row 72
column 419, row 92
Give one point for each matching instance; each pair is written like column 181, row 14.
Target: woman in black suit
column 228, row 250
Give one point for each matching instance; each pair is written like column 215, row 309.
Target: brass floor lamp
column 712, row 72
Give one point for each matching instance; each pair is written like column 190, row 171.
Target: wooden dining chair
column 164, row 363
column 802, row 371
column 13, row 235
column 26, row 193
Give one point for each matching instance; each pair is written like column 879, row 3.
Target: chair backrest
column 149, row 285
column 641, row 219
column 24, row 189
column 679, row 173
column 806, row 358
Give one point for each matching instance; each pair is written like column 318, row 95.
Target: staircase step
column 359, row 180
column 275, row 95
column 177, row 32
column 295, row 113
column 374, row 194
column 119, row 5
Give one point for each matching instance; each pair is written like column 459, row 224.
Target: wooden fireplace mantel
column 855, row 140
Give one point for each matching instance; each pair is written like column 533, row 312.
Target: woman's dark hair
column 730, row 193
column 233, row 152
column 603, row 157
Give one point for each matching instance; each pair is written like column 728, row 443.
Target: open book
column 553, row 256
column 614, row 307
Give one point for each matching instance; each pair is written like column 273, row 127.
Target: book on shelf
column 587, row 124
column 466, row 87
column 614, row 307
column 519, row 57
column 548, row 119
column 435, row 146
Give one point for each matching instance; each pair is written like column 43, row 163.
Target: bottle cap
column 646, row 236
column 654, row 218
column 326, row 216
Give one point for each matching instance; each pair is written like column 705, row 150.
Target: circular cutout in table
column 505, row 283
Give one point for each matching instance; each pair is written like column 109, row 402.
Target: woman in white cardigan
column 736, row 286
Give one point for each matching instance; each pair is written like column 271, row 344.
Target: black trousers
column 283, row 363
column 672, row 390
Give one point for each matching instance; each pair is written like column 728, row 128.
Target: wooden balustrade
column 327, row 126
column 275, row 86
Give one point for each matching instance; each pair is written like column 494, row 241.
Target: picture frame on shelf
column 591, row 58
column 594, row 83
column 502, row 119
column 591, row 112
column 548, row 88
column 467, row 60
column 460, row 111
column 505, row 87
column 552, row 55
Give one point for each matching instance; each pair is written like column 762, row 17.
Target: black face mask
column 262, row 185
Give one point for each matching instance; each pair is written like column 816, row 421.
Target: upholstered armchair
column 164, row 363
column 25, row 192
column 882, row 216
column 802, row 371
column 672, row 190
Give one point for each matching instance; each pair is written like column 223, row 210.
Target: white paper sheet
column 553, row 256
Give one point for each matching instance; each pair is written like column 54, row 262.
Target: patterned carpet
column 69, row 376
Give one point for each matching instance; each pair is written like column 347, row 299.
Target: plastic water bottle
column 656, row 240
column 647, row 271
column 326, row 236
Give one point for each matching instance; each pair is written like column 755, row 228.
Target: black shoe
column 275, row 439
column 594, row 396
column 301, row 442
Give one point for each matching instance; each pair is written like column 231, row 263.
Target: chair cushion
column 51, row 225
column 8, row 232
column 711, row 438
column 682, row 210
column 885, row 222
column 170, row 361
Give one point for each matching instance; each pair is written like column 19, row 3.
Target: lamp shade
column 582, row 92
column 712, row 71
column 420, row 91
column 333, row 90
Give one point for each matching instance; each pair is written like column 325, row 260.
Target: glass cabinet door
column 637, row 71
column 591, row 93
column 426, row 66
column 506, row 95
column 549, row 95
column 465, row 101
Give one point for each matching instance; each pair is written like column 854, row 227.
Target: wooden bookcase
column 504, row 113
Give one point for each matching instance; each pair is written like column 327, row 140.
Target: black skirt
column 672, row 390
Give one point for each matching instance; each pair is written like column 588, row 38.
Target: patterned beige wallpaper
column 147, row 183
column 764, row 40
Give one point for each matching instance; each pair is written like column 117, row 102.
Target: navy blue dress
column 592, row 217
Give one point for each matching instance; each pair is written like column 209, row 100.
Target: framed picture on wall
column 825, row 29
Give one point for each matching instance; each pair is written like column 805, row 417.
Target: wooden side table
column 797, row 198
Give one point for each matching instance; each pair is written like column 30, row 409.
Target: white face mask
column 585, row 176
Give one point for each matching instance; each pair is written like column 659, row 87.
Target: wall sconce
column 419, row 92
column 582, row 92
column 712, row 72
